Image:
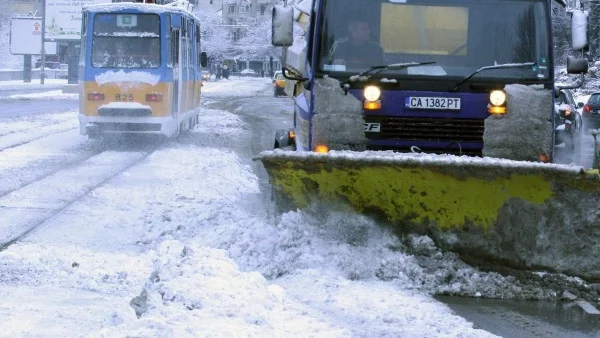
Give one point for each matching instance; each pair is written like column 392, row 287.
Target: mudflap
column 525, row 214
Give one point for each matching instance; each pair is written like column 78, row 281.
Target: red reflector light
column 153, row 97
column 95, row 97
column 586, row 108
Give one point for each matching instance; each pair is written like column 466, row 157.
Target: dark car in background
column 567, row 110
column 591, row 112
column 568, row 126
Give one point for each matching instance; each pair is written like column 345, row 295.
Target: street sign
column 26, row 37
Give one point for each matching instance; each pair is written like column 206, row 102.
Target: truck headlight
column 497, row 97
column 372, row 93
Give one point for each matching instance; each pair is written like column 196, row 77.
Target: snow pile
column 422, row 159
column 525, row 132
column 49, row 95
column 34, row 84
column 340, row 121
column 202, row 290
column 237, row 86
column 67, row 265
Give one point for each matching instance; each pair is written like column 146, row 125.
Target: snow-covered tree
column 593, row 6
column 7, row 60
column 245, row 37
column 215, row 36
column 254, row 42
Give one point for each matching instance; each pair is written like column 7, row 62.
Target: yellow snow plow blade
column 465, row 203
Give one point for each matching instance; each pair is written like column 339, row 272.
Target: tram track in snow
column 32, row 161
column 11, row 138
column 10, row 145
column 26, row 209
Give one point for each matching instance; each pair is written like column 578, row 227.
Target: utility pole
column 43, row 52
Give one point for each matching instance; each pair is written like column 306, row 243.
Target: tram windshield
column 126, row 41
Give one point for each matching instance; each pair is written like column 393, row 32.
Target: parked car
column 591, row 112
column 565, row 97
column 47, row 64
column 278, row 84
column 568, row 110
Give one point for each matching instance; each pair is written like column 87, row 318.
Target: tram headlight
column 372, row 93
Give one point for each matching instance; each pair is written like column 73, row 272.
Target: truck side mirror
column 282, row 26
column 576, row 65
column 579, row 21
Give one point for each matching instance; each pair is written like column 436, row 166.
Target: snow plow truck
column 441, row 123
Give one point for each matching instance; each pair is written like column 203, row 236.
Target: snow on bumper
column 127, row 125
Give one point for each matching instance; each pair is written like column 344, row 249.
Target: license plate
column 441, row 103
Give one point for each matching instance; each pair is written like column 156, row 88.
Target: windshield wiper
column 500, row 66
column 379, row 69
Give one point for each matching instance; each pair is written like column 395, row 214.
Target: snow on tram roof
column 142, row 7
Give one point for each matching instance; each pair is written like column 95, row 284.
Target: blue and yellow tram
column 140, row 69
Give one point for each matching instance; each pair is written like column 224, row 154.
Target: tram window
column 175, row 46
column 169, row 46
column 125, row 52
column 126, row 41
column 83, row 38
column 190, row 55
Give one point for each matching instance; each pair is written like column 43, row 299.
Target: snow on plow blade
column 523, row 214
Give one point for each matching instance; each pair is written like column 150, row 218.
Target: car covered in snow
column 247, row 72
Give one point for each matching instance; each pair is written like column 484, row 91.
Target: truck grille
column 427, row 129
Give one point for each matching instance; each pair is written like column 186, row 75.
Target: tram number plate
column 124, row 97
column 442, row 103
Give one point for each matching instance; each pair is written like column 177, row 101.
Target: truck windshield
column 457, row 36
column 126, row 41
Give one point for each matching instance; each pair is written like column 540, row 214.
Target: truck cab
column 452, row 76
